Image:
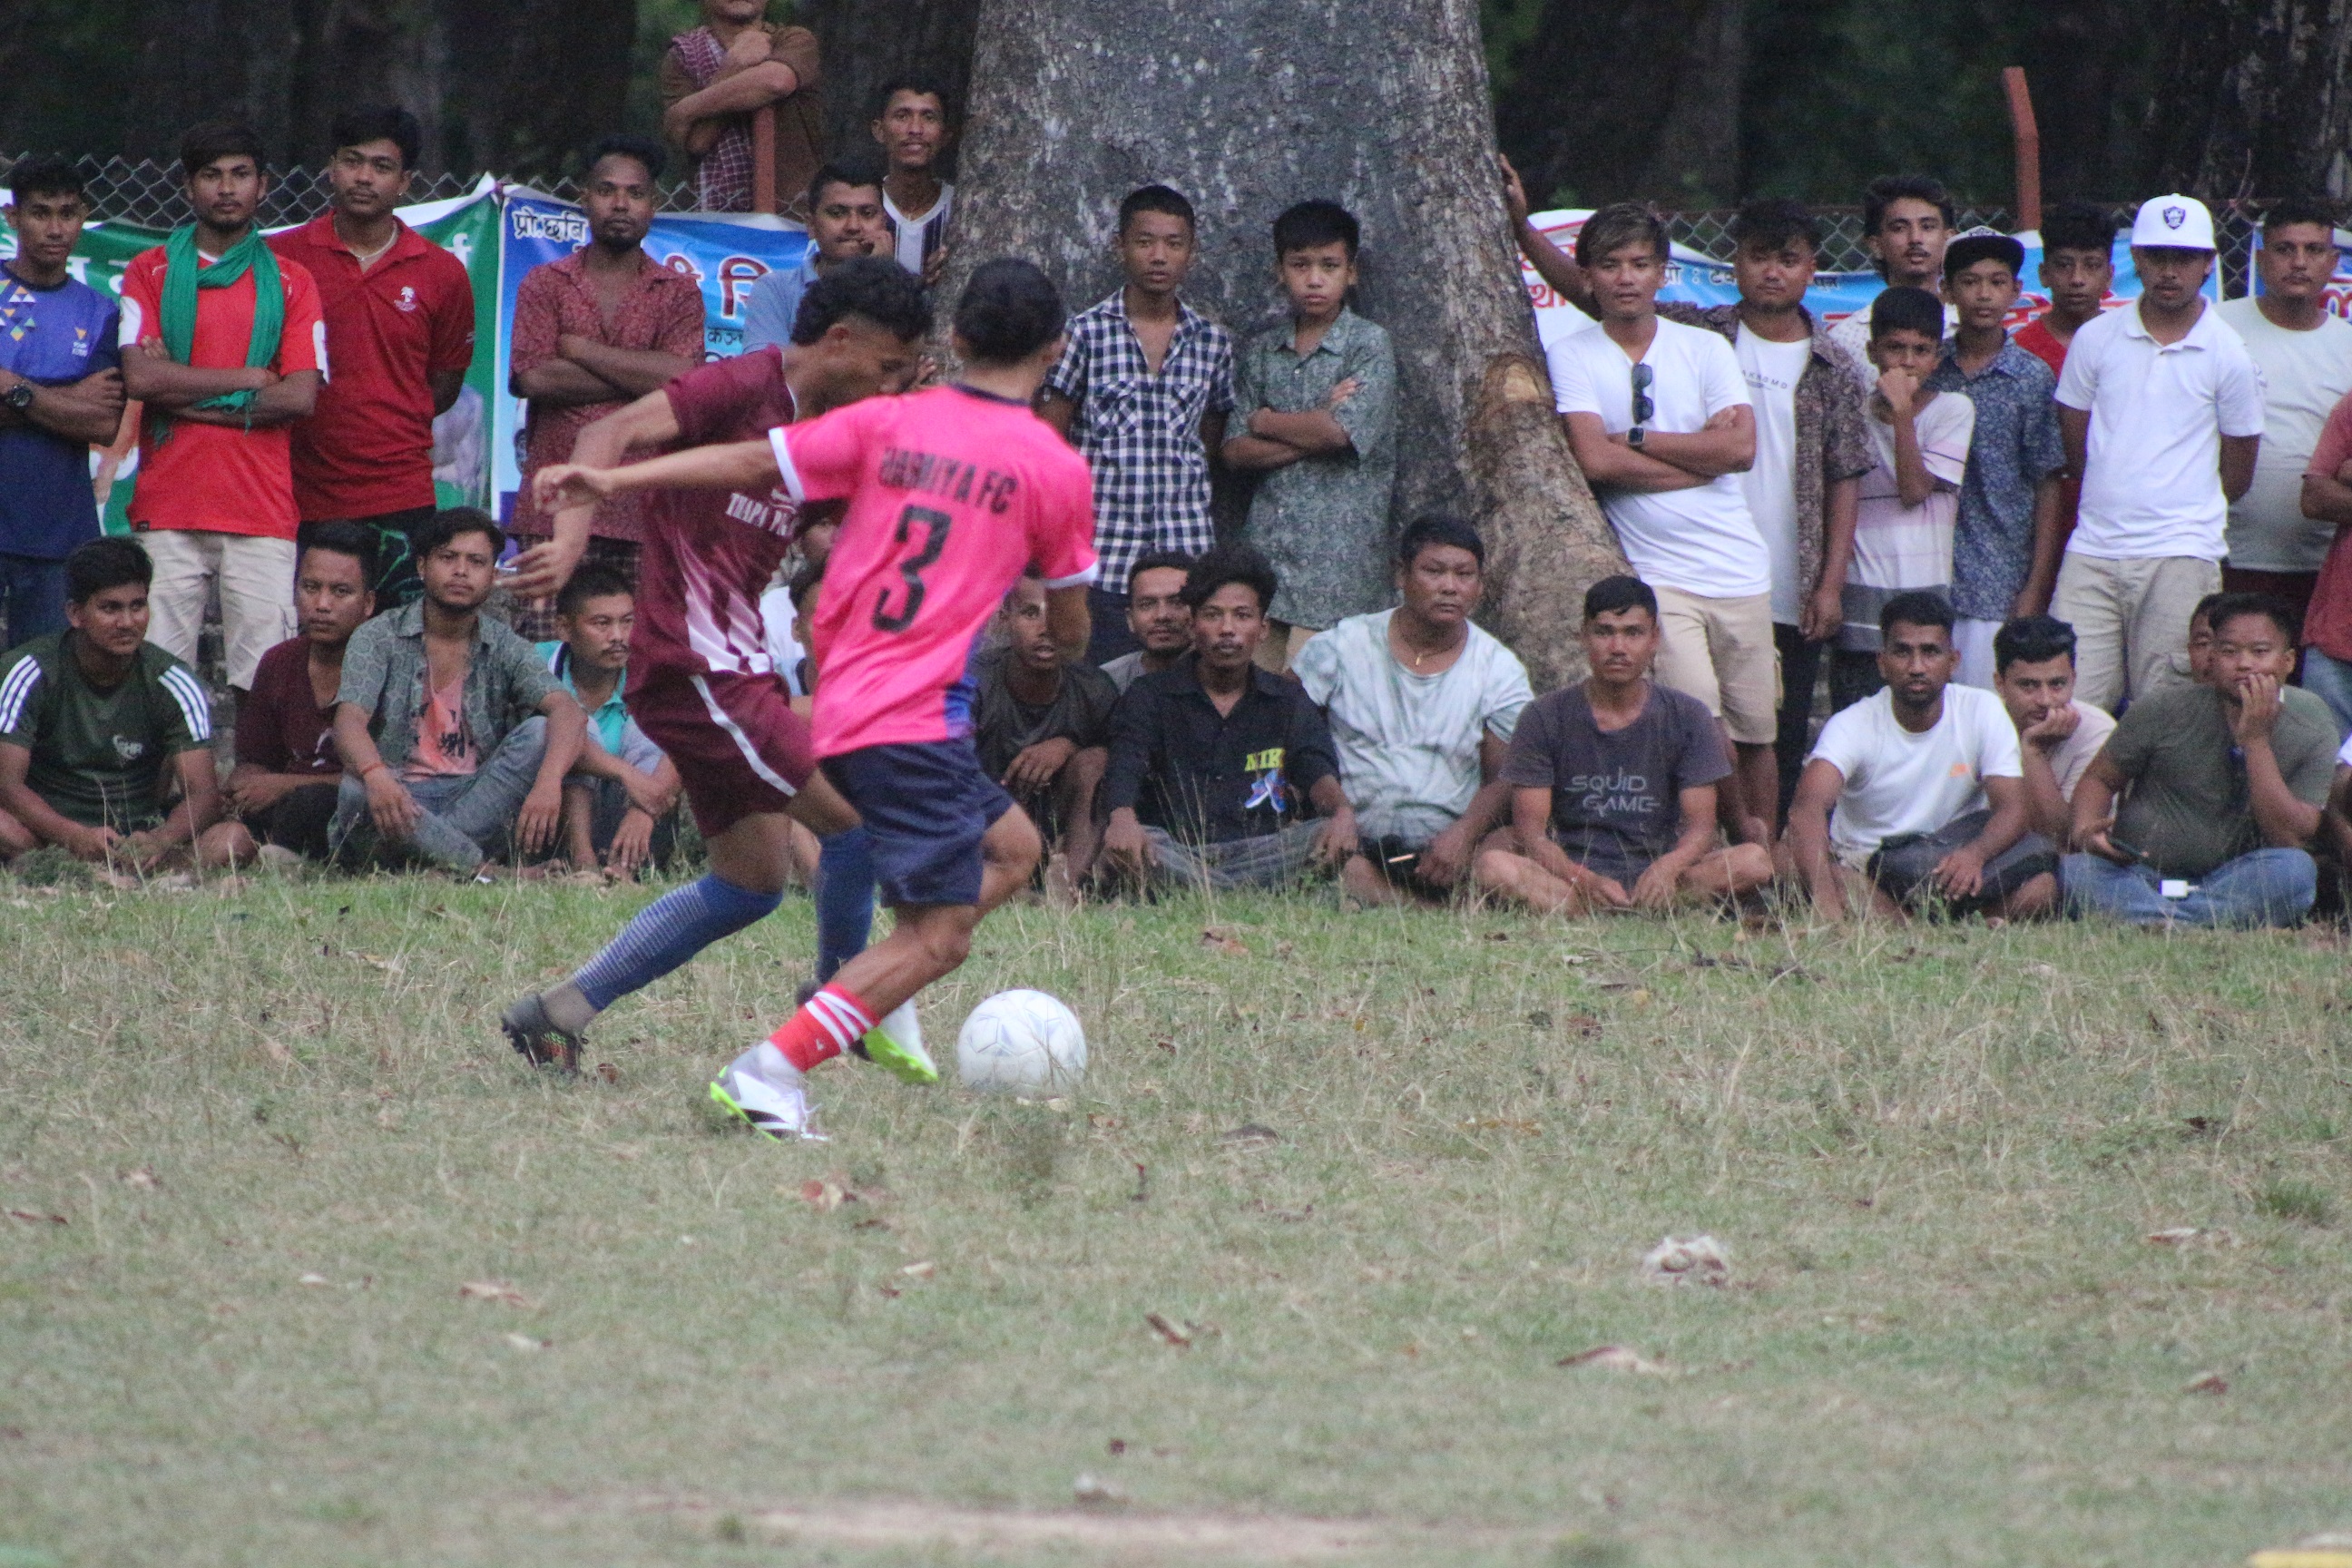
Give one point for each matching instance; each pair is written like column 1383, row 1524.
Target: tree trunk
column 2252, row 99
column 866, row 42
column 1250, row 105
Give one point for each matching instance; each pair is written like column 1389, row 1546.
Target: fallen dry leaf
column 1089, row 1491
column 826, row 1194
column 525, row 1342
column 2191, row 1235
column 1617, row 1358
column 2206, row 1383
column 145, row 1176
column 275, row 1050
column 389, row 965
column 922, row 1271
column 608, row 1072
column 1700, row 1260
column 1224, row 941
column 1178, row 1333
column 31, row 1218
column 493, row 1291
column 313, row 1280
column 1250, row 1135
column 1518, row 1124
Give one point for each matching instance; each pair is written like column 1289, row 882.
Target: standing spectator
column 2005, row 541
column 1142, row 390
column 455, row 735
column 60, row 394
column 2328, row 633
column 1157, row 617
column 845, row 221
column 617, row 802
column 2304, row 351
column 1612, row 783
column 2057, row 736
column 224, row 344
column 593, row 333
column 1915, row 793
column 282, row 793
column 2078, row 268
column 1317, row 400
column 1215, row 764
column 1903, row 532
column 1422, row 703
column 1906, row 221
column 911, row 123
column 2220, row 784
column 1811, row 449
column 2162, row 412
column 712, row 80
column 1041, row 726
column 1659, row 418
column 97, row 723
column 400, row 333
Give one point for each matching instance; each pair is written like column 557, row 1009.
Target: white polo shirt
column 1702, row 539
column 2152, row 483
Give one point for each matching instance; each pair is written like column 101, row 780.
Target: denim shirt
column 385, row 674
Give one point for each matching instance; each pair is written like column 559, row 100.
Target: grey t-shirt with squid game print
column 1615, row 794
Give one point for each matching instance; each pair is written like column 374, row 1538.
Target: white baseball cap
column 2173, row 223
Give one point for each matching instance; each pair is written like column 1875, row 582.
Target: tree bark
column 2252, row 99
column 866, row 42
column 1247, row 106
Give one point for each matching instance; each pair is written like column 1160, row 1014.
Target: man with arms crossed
column 953, row 494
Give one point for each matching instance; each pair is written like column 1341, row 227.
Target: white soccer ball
column 1022, row 1042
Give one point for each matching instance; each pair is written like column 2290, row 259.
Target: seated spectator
column 618, row 800
column 1214, row 762
column 2033, row 664
column 456, row 737
column 2226, row 782
column 97, row 723
column 1421, row 704
column 1924, row 782
column 1910, row 498
column 282, row 793
column 1158, row 618
column 2194, row 664
column 1612, row 783
column 1041, row 726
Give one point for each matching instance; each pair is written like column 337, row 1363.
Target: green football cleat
column 897, row 1043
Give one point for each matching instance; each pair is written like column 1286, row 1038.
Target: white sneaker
column 769, row 1092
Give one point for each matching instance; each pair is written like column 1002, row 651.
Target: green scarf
column 184, row 274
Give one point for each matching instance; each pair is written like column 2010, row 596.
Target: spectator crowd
column 1929, row 613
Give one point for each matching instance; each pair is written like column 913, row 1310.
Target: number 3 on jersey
column 935, row 524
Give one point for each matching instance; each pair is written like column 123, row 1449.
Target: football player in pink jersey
column 954, row 493
column 701, row 684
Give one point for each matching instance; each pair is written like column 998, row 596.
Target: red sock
column 833, row 1021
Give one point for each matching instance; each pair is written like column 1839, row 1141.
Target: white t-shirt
column 1770, row 486
column 1895, row 546
column 1408, row 744
column 2305, row 376
column 1896, row 782
column 919, row 237
column 1702, row 539
column 1853, row 334
column 784, row 652
column 2152, row 484
column 2071, row 758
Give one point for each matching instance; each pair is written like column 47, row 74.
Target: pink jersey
column 708, row 554
column 953, row 494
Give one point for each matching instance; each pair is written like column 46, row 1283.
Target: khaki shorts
column 256, row 578
column 1721, row 652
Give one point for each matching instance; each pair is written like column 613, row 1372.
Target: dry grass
column 1933, row 1155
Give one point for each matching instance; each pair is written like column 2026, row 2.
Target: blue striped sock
column 845, row 901
column 667, row 933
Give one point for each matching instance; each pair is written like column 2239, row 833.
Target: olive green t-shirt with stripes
column 99, row 755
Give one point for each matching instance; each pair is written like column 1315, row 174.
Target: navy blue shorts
column 926, row 805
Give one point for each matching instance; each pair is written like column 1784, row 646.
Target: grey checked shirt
column 385, row 674
column 1141, row 432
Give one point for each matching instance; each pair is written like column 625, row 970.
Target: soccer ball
column 1022, row 1042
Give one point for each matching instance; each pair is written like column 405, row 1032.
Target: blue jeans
column 2330, row 680
column 2264, row 887
column 463, row 817
column 32, row 599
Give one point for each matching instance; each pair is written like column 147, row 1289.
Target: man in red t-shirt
column 701, row 684
column 2078, row 268
column 400, row 330
column 223, row 372
column 953, row 493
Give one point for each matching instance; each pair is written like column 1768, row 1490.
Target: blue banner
column 724, row 253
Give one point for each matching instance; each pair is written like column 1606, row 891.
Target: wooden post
column 2029, row 148
column 764, row 159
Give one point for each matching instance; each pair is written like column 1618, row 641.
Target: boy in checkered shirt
column 1142, row 393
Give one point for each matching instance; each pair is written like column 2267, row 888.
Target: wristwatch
column 20, row 396
column 1633, row 437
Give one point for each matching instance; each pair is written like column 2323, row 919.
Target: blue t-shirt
column 775, row 304
column 53, row 337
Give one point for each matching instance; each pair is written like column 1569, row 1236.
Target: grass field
column 277, row 1135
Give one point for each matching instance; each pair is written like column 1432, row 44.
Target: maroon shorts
column 738, row 746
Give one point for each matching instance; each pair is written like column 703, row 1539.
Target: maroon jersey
column 709, row 554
